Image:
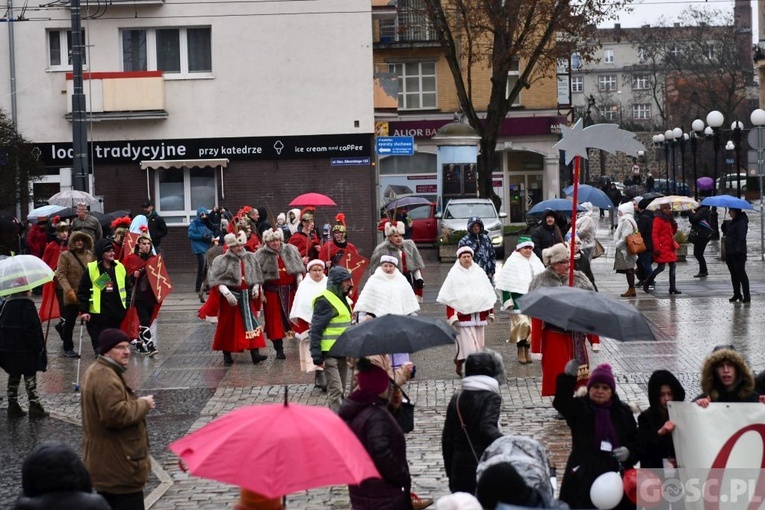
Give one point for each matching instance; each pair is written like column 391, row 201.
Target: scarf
column 604, row 427
column 480, row 383
column 385, row 294
column 248, row 318
column 302, row 305
column 467, row 290
column 517, row 272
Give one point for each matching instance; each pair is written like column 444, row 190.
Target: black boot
column 279, row 348
column 256, row 356
column 321, row 380
column 60, row 327
column 36, row 410
column 227, row 359
column 15, row 410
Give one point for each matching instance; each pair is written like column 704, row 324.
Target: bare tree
column 499, row 34
column 18, row 166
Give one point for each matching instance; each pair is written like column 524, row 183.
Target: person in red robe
column 305, row 239
column 52, row 295
column 237, row 277
column 333, row 250
column 120, row 227
column 283, row 271
column 37, row 237
column 144, row 302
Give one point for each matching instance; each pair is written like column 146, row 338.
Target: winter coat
column 663, row 237
column 22, row 345
column 645, row 227
column 483, row 251
column 743, row 389
column 545, row 236
column 585, row 454
column 71, row 265
column 368, row 417
column 625, row 227
column 53, row 476
column 699, row 221
column 115, row 441
column 480, row 413
column 37, row 238
column 90, row 225
column 735, row 234
column 651, row 447
column 323, row 313
column 200, row 235
column 157, row 228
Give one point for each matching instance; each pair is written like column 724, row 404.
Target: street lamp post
column 715, row 120
column 758, row 120
column 698, row 129
column 669, row 137
column 736, row 128
column 677, row 136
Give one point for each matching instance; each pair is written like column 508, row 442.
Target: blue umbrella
column 727, row 201
column 556, row 204
column 590, row 194
column 44, row 212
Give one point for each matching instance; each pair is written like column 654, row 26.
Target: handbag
column 404, row 415
column 635, row 243
column 598, row 249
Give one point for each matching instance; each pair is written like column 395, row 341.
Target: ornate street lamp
column 698, row 130
column 758, row 120
column 677, row 135
column 736, row 127
column 715, row 120
column 658, row 143
column 669, row 136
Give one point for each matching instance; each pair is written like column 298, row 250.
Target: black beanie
column 109, row 338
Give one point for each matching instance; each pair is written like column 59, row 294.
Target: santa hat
column 554, row 254
column 273, row 234
column 232, row 240
column 389, row 258
column 464, row 249
column 394, row 228
column 523, row 242
column 315, row 262
column 339, row 223
column 307, row 214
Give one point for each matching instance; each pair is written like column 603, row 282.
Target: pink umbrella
column 312, row 199
column 277, row 449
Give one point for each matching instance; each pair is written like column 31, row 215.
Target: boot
column 60, row 327
column 321, row 380
column 630, row 292
column 279, row 347
column 36, row 410
column 458, row 366
column 151, row 348
column 14, row 410
column 201, row 295
column 527, row 353
column 521, row 354
column 227, row 359
column 257, row 357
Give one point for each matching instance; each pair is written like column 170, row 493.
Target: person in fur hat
column 283, row 271
column 338, row 246
column 726, row 377
column 469, row 298
column 556, row 345
column 513, row 282
column 144, row 302
column 580, row 262
column 71, row 265
column 410, row 261
column 305, row 239
column 52, row 296
column 237, row 277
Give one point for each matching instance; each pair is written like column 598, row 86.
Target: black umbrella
column 406, row 202
column 107, row 219
column 391, row 334
column 586, row 311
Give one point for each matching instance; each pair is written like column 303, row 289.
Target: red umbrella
column 276, row 450
column 314, row 199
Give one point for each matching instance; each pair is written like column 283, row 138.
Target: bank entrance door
column 525, row 190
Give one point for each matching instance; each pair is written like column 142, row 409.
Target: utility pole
column 79, row 126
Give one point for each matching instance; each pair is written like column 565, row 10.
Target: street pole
column 79, row 124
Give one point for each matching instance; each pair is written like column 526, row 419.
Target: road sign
column 395, row 145
column 756, row 161
column 756, row 138
column 636, row 169
column 350, row 161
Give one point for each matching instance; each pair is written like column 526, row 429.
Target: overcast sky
column 649, row 11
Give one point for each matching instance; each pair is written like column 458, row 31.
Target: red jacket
column 663, row 236
column 37, row 238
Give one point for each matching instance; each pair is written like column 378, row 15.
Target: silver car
column 457, row 212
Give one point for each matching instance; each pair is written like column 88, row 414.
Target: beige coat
column 69, row 270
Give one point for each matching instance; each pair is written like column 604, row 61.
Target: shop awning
column 183, row 163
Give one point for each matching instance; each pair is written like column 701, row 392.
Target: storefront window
column 181, row 191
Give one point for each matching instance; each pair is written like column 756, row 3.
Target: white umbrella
column 72, row 197
column 678, row 203
column 44, row 212
column 21, row 273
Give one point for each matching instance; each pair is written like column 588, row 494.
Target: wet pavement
column 192, row 386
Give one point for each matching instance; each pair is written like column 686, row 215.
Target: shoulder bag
column 598, row 250
column 635, row 243
column 404, row 415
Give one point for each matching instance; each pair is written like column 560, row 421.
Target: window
column 641, row 111
column 608, row 56
column 674, row 50
column 60, row 49
column 513, row 75
column 607, row 83
column 576, row 61
column 181, row 191
column 608, row 112
column 416, row 85
column 577, row 84
column 411, row 24
column 179, row 51
column 640, row 82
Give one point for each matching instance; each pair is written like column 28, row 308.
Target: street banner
column 156, row 272
column 356, row 265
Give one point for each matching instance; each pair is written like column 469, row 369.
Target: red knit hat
column 371, row 377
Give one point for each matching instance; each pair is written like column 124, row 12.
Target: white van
column 728, row 182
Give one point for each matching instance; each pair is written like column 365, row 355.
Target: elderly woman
column 557, row 345
column 625, row 262
column 603, row 433
column 469, row 298
column 581, row 263
column 513, row 281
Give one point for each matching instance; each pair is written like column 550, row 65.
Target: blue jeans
column 659, row 269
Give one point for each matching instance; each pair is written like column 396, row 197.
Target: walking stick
column 79, row 359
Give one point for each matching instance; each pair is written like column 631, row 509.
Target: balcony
column 384, row 9
column 121, row 96
column 410, row 28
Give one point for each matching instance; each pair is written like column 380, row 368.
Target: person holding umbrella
column 735, row 254
column 469, row 298
column 305, row 239
column 664, row 247
column 701, row 234
column 547, row 234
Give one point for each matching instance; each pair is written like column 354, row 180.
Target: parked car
column 728, row 182
column 424, row 223
column 457, row 212
column 679, row 188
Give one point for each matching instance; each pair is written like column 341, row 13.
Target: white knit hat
column 465, row 249
column 389, row 258
column 315, row 262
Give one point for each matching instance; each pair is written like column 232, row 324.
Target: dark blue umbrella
column 727, row 201
column 590, row 194
column 556, row 204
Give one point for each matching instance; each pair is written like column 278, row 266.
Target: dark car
column 674, row 188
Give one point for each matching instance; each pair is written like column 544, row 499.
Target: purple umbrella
column 705, row 183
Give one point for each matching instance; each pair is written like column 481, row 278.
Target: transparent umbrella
column 72, row 197
column 21, row 273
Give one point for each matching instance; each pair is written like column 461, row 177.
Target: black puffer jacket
column 53, row 476
column 479, row 409
column 587, row 457
column 545, row 236
column 645, row 227
column 651, row 447
column 368, row 417
column 735, row 235
column 22, row 345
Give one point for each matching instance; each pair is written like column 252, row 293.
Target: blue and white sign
column 395, row 145
column 350, row 161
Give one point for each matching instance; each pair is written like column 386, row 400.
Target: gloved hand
column 491, row 317
column 453, row 320
column 227, row 294
column 299, row 278
column 419, row 283
column 622, row 454
column 572, row 368
column 71, row 297
column 255, row 292
column 318, row 361
column 595, row 347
